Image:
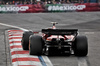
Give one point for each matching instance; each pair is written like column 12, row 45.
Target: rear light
column 35, row 32
column 48, row 39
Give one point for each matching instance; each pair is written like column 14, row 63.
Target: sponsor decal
column 49, row 8
column 14, row 8
column 64, row 8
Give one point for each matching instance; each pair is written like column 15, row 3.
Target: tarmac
column 88, row 24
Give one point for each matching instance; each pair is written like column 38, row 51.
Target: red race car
column 54, row 41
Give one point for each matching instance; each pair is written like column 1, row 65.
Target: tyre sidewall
column 25, row 39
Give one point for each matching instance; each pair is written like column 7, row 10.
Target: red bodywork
column 50, row 37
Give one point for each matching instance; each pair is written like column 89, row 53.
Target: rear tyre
column 36, row 45
column 25, row 39
column 81, row 46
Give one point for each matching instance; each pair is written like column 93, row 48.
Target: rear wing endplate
column 59, row 31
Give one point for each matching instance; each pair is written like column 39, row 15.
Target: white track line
column 14, row 36
column 14, row 40
column 46, row 60
column 15, row 44
column 82, row 61
column 18, row 63
column 13, row 26
column 23, row 56
column 16, row 49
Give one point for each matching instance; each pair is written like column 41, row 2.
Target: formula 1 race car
column 54, row 41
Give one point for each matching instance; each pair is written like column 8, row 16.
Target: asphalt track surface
column 88, row 24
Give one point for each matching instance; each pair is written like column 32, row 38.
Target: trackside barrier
column 37, row 8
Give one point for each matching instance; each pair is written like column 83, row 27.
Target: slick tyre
column 81, row 46
column 36, row 45
column 25, row 39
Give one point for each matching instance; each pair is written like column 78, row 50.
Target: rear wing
column 59, row 31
